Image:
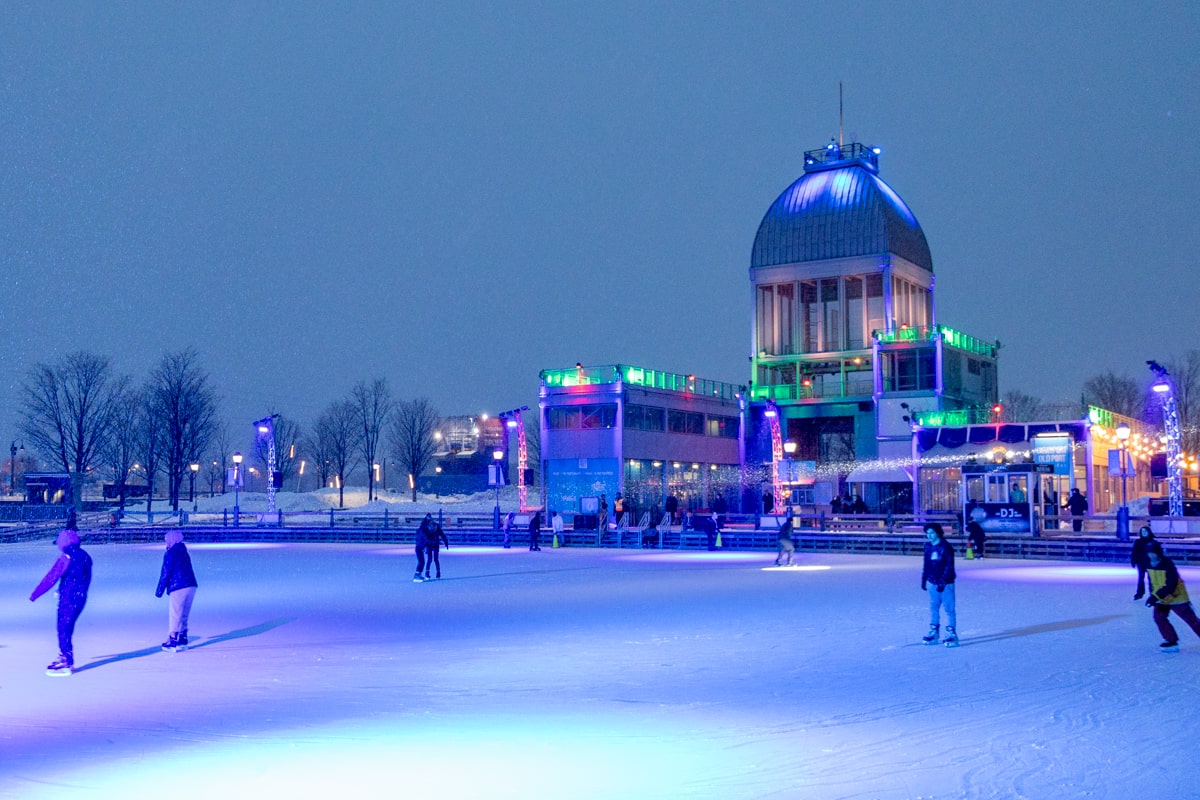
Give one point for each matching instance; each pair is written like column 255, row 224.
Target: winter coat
column 1166, row 587
column 938, row 568
column 72, row 571
column 176, row 570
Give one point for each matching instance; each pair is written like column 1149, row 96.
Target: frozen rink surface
column 323, row 671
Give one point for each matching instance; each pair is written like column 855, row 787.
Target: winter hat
column 1154, row 547
column 173, row 537
column 66, row 539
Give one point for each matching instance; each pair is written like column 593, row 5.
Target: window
column 685, row 422
column 644, row 418
column 586, row 417
column 909, row 371
column 723, row 427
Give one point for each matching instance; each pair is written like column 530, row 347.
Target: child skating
column 179, row 582
column 1168, row 593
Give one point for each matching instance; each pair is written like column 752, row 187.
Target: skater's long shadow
column 224, row 637
column 512, row 572
column 1046, row 627
column 242, row 633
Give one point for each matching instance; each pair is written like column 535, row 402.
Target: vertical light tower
column 1165, row 391
column 266, row 431
column 1123, row 511
column 772, row 415
column 513, row 422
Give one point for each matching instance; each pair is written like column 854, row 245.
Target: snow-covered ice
column 323, row 671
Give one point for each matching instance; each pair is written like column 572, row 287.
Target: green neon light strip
column 639, row 376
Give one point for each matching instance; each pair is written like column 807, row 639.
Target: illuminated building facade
column 644, row 433
column 845, row 337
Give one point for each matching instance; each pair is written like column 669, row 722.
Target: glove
column 1141, row 593
column 923, row 587
column 1151, row 601
column 941, row 588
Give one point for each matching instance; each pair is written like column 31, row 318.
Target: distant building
column 846, row 339
column 643, row 433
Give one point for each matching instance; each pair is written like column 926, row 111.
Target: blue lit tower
column 845, row 338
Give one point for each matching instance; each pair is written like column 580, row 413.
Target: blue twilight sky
column 456, row 195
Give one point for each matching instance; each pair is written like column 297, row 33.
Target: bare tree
column 219, row 450
column 121, row 448
column 533, row 445
column 148, row 438
column 372, row 405
column 183, row 403
column 335, row 439
column 1021, row 407
column 1116, row 393
column 68, row 409
column 411, row 434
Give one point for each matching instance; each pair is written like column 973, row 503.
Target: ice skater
column 937, row 578
column 434, row 538
column 508, row 526
column 421, row 544
column 178, row 580
column 1138, row 560
column 72, row 571
column 977, row 537
column 1168, row 593
column 535, row 531
column 786, row 545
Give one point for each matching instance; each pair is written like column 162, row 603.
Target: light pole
column 12, row 466
column 497, row 457
column 789, row 450
column 237, row 482
column 1123, row 511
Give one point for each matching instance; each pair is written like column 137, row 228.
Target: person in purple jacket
column 179, row 582
column 73, row 574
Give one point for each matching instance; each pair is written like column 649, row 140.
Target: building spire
column 841, row 140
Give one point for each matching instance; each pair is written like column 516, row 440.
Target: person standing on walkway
column 556, row 524
column 508, row 526
column 1077, row 504
column 72, row 571
column 178, row 580
column 937, row 579
column 1138, row 559
column 1168, row 593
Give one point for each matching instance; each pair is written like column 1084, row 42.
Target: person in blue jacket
column 178, row 580
column 73, row 574
column 937, row 578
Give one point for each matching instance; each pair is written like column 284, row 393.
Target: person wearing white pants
column 178, row 580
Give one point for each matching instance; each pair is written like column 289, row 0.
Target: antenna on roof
column 841, row 141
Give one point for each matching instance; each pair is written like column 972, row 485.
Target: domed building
column 847, row 349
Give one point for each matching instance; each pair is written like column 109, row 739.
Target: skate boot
column 60, row 667
column 181, row 642
column 169, row 645
column 418, row 579
column 951, row 639
column 932, row 636
column 1170, row 647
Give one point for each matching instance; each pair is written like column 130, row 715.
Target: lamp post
column 1123, row 511
column 12, row 466
column 237, row 482
column 497, row 457
column 789, row 450
column 194, row 467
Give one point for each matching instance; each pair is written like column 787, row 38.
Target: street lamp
column 498, row 478
column 194, row 467
column 237, row 482
column 12, row 466
column 1123, row 511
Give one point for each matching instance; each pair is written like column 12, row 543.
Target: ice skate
column 181, row 642
column 1169, row 647
column 61, row 667
column 951, row 639
column 169, row 645
column 418, row 579
column 932, row 636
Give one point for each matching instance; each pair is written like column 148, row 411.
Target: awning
column 878, row 473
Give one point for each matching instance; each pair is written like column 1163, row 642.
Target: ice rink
column 324, row 671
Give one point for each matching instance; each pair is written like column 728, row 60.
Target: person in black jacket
column 178, row 580
column 423, row 538
column 73, row 574
column 937, row 578
column 1168, row 593
column 434, row 538
column 535, row 531
column 1139, row 561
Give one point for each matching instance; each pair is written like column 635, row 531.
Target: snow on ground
column 321, row 670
